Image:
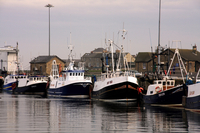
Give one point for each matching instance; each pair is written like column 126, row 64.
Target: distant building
column 8, row 58
column 93, row 60
column 76, row 62
column 42, row 64
column 191, row 58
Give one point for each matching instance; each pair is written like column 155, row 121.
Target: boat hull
column 192, row 99
column 71, row 91
column 125, row 91
column 37, row 88
column 8, row 87
column 191, row 103
column 171, row 96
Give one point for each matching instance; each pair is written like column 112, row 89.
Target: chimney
column 117, row 51
column 194, row 49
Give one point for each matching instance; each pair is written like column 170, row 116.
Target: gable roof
column 143, row 57
column 92, row 55
column 44, row 59
column 188, row 54
column 98, row 50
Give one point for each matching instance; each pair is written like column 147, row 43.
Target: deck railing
column 111, row 75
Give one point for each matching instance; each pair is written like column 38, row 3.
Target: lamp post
column 49, row 6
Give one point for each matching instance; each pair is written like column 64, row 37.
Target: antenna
column 150, row 40
column 70, row 39
column 70, row 47
column 159, row 37
column 124, row 32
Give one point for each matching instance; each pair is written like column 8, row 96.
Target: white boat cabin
column 15, row 77
column 160, row 85
column 72, row 75
column 37, row 78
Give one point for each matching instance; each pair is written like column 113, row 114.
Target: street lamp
column 49, row 5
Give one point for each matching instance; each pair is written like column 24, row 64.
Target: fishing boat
column 166, row 91
column 71, row 83
column 192, row 98
column 35, row 85
column 16, row 83
column 115, row 85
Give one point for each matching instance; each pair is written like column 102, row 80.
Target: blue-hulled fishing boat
column 71, row 83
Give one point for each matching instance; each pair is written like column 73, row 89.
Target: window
column 159, row 82
column 41, row 69
column 164, row 83
column 190, row 66
column 168, row 83
column 89, row 64
column 97, row 64
column 172, row 83
column 144, row 65
column 70, row 74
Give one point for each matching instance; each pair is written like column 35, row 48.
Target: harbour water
column 32, row 114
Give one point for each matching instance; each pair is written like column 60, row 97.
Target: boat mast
column 180, row 61
column 17, row 50
column 70, row 47
column 123, row 38
column 111, row 46
column 159, row 37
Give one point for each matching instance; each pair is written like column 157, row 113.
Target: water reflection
column 163, row 119
column 21, row 113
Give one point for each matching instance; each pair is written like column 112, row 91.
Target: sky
column 90, row 22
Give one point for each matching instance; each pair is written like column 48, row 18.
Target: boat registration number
column 161, row 94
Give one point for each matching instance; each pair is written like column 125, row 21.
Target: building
column 8, row 56
column 93, row 60
column 148, row 62
column 41, row 65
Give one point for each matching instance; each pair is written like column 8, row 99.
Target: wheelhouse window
column 168, row 83
column 164, row 83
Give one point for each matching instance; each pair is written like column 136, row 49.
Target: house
column 148, row 62
column 93, row 60
column 42, row 64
